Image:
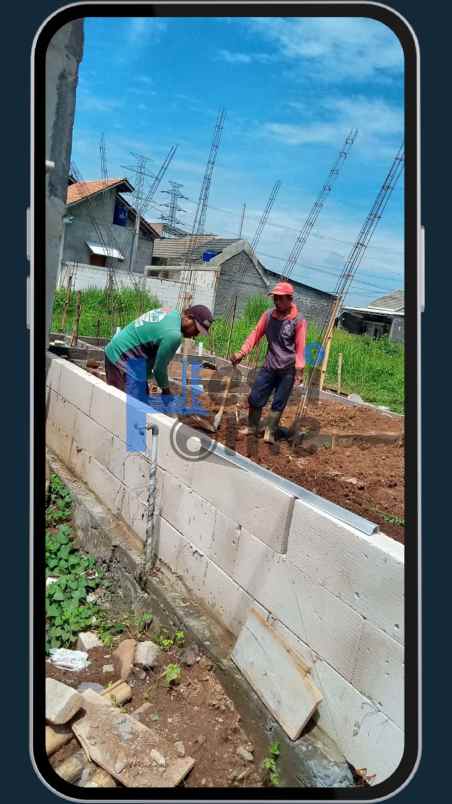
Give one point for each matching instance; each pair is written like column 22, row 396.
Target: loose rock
column 244, row 754
column 87, row 640
column 180, row 748
column 108, row 668
column 190, row 655
column 146, row 655
column 125, row 653
column 62, row 702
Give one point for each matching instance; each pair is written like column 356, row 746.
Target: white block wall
column 237, row 540
column 167, row 292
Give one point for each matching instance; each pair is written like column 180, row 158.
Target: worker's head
column 282, row 296
column 196, row 320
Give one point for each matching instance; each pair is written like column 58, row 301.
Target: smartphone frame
column 414, row 289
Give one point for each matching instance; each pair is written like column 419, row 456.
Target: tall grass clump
column 101, row 313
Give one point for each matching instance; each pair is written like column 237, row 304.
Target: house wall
column 101, row 208
column 63, row 57
column 239, row 278
column 238, row 540
column 167, row 292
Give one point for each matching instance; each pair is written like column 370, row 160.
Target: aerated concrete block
column 76, row 386
column 225, row 543
column 61, row 413
column 54, row 373
column 171, row 445
column 227, row 601
column 379, row 672
column 109, row 408
column 104, row 485
column 255, row 504
column 276, row 673
column 58, row 441
column 62, row 702
column 189, row 513
column 367, row 572
column 93, row 438
column 329, row 626
column 365, row 735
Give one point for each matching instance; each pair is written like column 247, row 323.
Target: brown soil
column 196, row 712
column 366, row 478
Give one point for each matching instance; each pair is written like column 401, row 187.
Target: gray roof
column 175, row 248
column 395, row 302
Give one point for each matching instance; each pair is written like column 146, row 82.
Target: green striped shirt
column 155, row 335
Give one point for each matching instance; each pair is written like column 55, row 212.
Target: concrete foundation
column 239, row 537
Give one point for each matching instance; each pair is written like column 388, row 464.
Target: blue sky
column 292, row 89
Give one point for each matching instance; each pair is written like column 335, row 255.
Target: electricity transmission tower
column 318, row 205
column 142, row 199
column 103, row 159
column 173, row 207
column 199, row 219
column 242, row 221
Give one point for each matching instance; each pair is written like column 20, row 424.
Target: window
column 99, row 260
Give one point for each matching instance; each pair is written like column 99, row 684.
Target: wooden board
column 277, row 674
column 122, row 746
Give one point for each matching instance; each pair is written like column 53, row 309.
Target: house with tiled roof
column 99, row 227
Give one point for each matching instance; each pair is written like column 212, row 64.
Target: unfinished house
column 384, row 316
column 236, row 273
column 99, row 228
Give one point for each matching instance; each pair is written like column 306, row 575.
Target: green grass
column 372, row 368
column 100, row 313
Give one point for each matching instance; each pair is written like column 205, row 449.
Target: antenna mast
column 319, row 203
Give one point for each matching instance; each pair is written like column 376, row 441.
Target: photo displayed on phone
column 223, row 214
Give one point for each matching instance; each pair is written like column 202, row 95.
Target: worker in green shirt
column 156, row 337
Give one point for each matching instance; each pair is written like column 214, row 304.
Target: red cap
column 282, row 289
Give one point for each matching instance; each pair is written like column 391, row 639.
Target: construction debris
column 72, row 768
column 146, row 655
column 101, row 779
column 278, row 674
column 62, row 702
column 87, row 640
column 69, row 659
column 129, row 751
column 125, row 653
column 56, row 737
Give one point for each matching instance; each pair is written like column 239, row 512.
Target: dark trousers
column 268, row 380
column 132, row 379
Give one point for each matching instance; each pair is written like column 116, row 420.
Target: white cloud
column 235, row 57
column 380, row 125
column 334, row 49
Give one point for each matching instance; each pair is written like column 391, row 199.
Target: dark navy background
column 431, row 21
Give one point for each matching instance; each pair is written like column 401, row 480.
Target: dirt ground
column 196, row 712
column 363, row 476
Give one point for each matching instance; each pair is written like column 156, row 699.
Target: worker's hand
column 236, row 358
column 299, row 374
column 166, row 391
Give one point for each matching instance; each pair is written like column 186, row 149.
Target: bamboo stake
column 339, row 372
column 234, row 310
column 327, row 343
column 74, row 338
column 66, row 303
